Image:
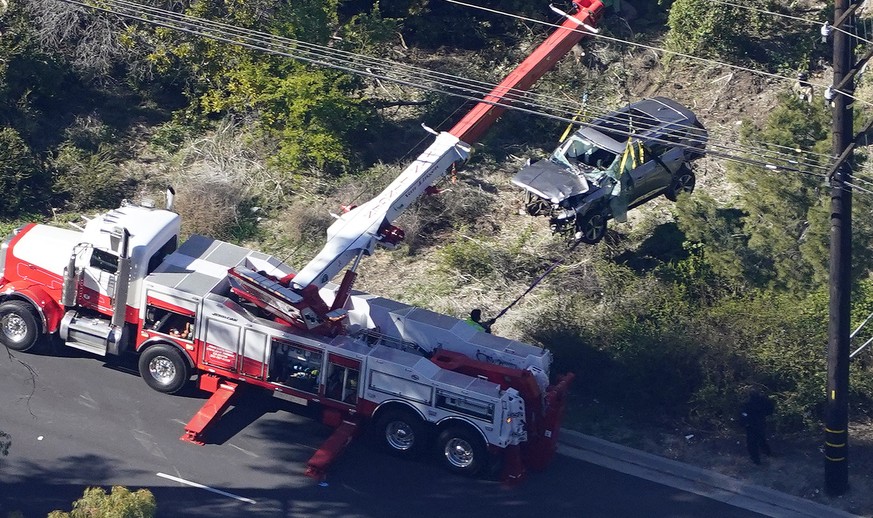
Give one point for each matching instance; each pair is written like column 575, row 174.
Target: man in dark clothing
column 754, row 417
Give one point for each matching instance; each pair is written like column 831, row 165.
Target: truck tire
column 19, row 327
column 462, row 450
column 401, row 433
column 591, row 227
column 683, row 182
column 164, row 369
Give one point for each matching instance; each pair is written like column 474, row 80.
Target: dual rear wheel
column 458, row 448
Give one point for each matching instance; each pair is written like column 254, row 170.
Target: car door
column 658, row 174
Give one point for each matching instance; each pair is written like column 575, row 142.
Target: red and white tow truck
column 227, row 315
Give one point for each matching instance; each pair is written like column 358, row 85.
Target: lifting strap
column 538, row 280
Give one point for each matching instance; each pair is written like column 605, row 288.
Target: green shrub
column 23, row 181
column 467, row 256
column 705, row 29
column 119, row 503
column 86, row 180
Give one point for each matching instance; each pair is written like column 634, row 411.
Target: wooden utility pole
column 837, row 407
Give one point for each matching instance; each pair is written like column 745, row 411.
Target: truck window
column 103, row 260
column 296, row 367
column 168, row 248
column 342, row 383
column 169, row 323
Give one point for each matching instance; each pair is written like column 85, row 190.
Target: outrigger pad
column 211, row 410
column 332, row 448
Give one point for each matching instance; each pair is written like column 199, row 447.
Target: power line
column 782, row 15
column 765, row 11
column 659, row 49
column 256, row 40
column 268, row 43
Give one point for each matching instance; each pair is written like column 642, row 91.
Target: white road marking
column 244, row 451
column 201, row 486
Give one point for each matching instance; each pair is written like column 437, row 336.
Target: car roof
column 647, row 118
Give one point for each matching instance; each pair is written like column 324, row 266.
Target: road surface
column 76, row 421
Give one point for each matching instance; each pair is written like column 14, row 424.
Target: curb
column 710, row 484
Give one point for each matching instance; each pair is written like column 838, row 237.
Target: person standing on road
column 754, row 417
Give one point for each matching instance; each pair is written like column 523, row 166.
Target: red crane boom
column 471, row 128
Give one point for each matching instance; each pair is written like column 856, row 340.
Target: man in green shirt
column 475, row 320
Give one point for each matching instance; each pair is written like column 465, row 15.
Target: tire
column 591, row 227
column 683, row 182
column 401, row 433
column 164, row 369
column 19, row 326
column 462, row 451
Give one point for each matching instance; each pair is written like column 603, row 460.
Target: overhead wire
column 659, row 49
column 190, row 25
column 788, row 16
column 162, row 17
column 765, row 11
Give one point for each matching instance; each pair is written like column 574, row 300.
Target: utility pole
column 837, row 407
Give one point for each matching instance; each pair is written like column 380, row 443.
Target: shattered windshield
column 581, row 155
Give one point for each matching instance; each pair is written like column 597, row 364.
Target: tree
column 705, row 29
column 316, row 115
column 120, row 503
column 776, row 232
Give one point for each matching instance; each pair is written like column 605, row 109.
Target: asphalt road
column 76, row 421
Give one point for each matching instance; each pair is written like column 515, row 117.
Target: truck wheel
column 462, row 451
column 591, row 227
column 402, row 433
column 19, row 328
column 163, row 369
column 683, row 182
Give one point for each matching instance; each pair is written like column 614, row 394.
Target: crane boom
column 478, row 120
column 358, row 231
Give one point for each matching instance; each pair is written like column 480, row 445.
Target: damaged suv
column 614, row 163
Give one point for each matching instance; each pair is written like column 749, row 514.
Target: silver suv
column 612, row 164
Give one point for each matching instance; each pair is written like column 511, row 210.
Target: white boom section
column 357, row 231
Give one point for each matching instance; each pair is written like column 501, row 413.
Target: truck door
column 342, row 382
column 98, row 281
column 252, row 357
column 222, row 344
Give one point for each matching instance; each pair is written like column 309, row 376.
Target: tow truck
column 228, row 315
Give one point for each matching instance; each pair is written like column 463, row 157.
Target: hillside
column 723, row 291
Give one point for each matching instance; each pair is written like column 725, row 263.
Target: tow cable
column 538, row 280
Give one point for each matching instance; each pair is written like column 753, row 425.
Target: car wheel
column 462, row 451
column 164, row 369
column 401, row 433
column 591, row 227
column 19, row 328
column 683, row 182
